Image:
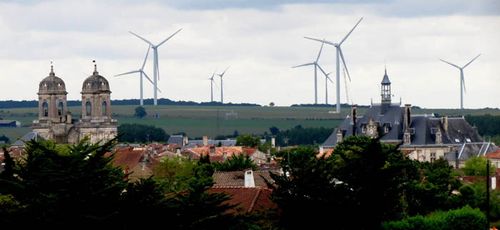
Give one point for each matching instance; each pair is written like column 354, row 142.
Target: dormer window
column 468, row 140
column 457, row 140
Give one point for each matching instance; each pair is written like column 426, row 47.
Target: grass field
column 197, row 121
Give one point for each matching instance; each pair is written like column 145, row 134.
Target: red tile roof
column 247, row 200
column 128, row 157
column 237, row 179
column 493, row 155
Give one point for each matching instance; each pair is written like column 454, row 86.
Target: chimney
column 185, row 141
column 224, row 156
column 249, row 180
column 273, row 142
column 407, row 116
column 439, row 136
column 353, row 120
column 321, row 150
column 444, row 121
column 205, row 140
column 340, row 135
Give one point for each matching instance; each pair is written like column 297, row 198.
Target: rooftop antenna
column 141, row 75
column 462, row 81
column 340, row 56
column 156, row 67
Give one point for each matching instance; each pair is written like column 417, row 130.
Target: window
column 60, row 108
column 104, row 108
column 433, row 157
column 88, row 108
column 45, row 108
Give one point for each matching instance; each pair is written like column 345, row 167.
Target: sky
column 259, row 40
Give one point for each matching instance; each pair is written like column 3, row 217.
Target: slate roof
column 175, row 139
column 27, row 137
column 423, row 127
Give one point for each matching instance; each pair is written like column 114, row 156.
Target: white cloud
column 260, row 45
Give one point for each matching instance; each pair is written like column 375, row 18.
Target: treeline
column 299, row 135
column 487, row 125
column 162, row 101
column 137, row 133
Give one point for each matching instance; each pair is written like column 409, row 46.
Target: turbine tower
column 315, row 64
column 327, row 78
column 339, row 56
column 462, row 81
column 141, row 74
column 156, row 68
column 212, row 87
column 221, row 86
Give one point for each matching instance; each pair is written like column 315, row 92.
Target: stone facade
column 55, row 122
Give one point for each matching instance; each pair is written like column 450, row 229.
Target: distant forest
column 31, row 104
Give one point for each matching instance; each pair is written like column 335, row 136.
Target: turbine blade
column 319, row 53
column 151, row 44
column 322, row 41
column 340, row 43
column 471, row 61
column 149, row 79
column 161, row 43
column 312, row 63
column 450, row 63
column 222, row 74
column 343, row 62
column 129, row 72
column 321, row 69
column 145, row 58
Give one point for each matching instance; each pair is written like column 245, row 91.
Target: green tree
column 236, row 163
column 476, row 166
column 140, row 112
column 431, row 187
column 362, row 178
column 174, row 173
column 248, row 141
column 464, row 218
column 134, row 133
column 80, row 186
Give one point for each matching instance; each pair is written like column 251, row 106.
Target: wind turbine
column 327, row 78
column 315, row 64
column 212, row 87
column 340, row 55
column 141, row 74
column 462, row 81
column 221, row 87
column 156, row 68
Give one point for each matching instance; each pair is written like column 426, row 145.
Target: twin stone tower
column 56, row 123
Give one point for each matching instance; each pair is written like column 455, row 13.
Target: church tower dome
column 52, row 99
column 52, row 84
column 96, row 100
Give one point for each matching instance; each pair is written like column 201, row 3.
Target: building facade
column 423, row 137
column 56, row 123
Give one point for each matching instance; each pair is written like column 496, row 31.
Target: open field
column 197, row 121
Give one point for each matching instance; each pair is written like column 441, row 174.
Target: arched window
column 60, row 108
column 45, row 108
column 104, row 108
column 88, row 108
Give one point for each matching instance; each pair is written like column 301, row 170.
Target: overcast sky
column 260, row 40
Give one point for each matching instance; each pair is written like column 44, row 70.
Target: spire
column 95, row 68
column 386, row 80
column 51, row 69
